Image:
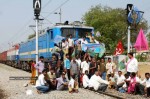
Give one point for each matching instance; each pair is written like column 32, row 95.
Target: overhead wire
column 57, row 8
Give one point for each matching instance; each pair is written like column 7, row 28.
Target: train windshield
column 81, row 32
column 67, row 31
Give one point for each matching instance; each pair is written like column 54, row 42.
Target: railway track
column 105, row 93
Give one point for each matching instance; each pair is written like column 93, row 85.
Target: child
column 73, row 84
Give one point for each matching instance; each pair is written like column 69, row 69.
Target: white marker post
column 37, row 9
column 128, row 39
column 37, row 54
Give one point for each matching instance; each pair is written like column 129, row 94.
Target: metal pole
column 128, row 39
column 36, row 44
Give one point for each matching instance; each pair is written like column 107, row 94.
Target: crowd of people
column 69, row 72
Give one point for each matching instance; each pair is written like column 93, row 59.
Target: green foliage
column 112, row 24
column 141, row 58
column 148, row 38
column 31, row 36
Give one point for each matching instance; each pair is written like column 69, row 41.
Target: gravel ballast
column 14, row 89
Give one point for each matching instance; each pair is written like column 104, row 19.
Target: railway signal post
column 37, row 10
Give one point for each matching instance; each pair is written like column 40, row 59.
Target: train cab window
column 67, row 31
column 82, row 32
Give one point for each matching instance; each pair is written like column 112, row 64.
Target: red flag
column 119, row 48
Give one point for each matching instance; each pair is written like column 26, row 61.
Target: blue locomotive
column 46, row 42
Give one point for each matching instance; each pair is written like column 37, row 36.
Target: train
column 20, row 55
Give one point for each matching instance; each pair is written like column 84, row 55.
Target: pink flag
column 141, row 42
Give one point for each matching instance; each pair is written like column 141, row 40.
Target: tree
column 112, row 24
column 148, row 38
column 31, row 36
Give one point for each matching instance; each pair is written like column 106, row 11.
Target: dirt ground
column 143, row 68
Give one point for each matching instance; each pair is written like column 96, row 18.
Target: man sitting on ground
column 51, row 79
column 147, row 84
column 62, row 82
column 120, row 80
column 112, row 81
column 41, row 84
column 86, row 80
column 98, row 83
column 73, row 84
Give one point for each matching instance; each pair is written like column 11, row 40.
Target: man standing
column 85, row 65
column 71, row 45
column 132, row 64
column 110, row 67
column 74, row 68
column 91, row 38
column 67, row 65
column 92, row 67
column 40, row 65
column 102, row 68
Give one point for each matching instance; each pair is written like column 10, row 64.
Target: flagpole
column 128, row 39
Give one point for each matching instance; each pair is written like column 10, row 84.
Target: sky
column 17, row 15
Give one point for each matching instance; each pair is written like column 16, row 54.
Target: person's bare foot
column 70, row 92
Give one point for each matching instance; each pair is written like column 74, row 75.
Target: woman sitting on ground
column 131, row 87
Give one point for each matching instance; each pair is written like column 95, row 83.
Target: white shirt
column 147, row 82
column 83, row 42
column 41, row 81
column 120, row 79
column 70, row 42
column 132, row 66
column 79, row 62
column 71, row 83
column 85, row 81
column 64, row 45
column 95, row 81
column 109, row 66
column 40, row 66
column 84, row 66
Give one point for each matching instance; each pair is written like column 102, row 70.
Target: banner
column 119, row 49
column 58, row 39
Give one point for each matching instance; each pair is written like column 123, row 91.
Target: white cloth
column 41, row 81
column 84, row 66
column 147, row 82
column 132, row 66
column 70, row 42
column 120, row 79
column 96, row 81
column 85, row 81
column 64, row 45
column 79, row 62
column 83, row 42
column 71, row 83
